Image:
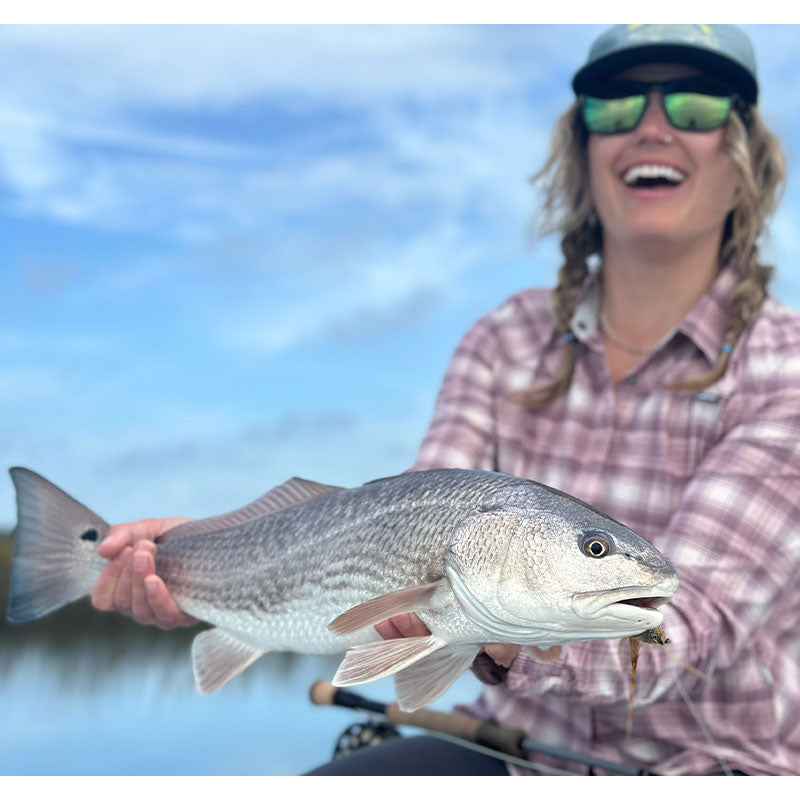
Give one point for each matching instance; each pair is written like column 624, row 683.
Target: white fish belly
column 301, row 629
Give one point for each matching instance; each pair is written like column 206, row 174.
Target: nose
column 654, row 125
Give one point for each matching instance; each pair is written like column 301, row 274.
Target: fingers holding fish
column 105, row 586
column 128, row 584
column 140, row 593
column 165, row 611
column 121, row 599
column 402, row 625
column 128, row 533
column 502, row 654
column 144, row 568
column 410, row 625
column 152, row 602
column 544, row 655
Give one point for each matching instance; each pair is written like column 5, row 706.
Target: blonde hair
column 567, row 208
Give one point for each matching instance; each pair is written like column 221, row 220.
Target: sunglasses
column 690, row 104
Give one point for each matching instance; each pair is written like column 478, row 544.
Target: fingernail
column 140, row 562
column 150, row 586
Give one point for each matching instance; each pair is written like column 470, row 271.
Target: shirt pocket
column 695, row 426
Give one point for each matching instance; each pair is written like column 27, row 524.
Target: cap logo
column 697, row 33
column 705, row 28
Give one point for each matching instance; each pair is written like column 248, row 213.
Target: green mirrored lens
column 696, row 112
column 613, row 115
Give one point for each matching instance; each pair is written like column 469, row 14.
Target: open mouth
column 633, row 604
column 646, row 602
column 652, row 176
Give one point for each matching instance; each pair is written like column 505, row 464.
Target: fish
column 310, row 568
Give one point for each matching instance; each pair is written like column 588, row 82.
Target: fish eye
column 595, row 544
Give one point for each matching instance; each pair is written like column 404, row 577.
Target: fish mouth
column 637, row 605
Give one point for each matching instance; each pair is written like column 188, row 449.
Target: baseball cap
column 724, row 51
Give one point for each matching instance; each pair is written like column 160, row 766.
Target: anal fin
column 218, row 656
column 431, row 677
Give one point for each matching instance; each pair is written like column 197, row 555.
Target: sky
column 234, row 254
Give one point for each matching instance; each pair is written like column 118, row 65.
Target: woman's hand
column 129, row 584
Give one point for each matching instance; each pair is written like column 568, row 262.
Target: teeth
column 639, row 171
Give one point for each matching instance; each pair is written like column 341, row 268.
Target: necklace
column 620, row 342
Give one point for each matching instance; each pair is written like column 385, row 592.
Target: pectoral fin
column 369, row 662
column 423, row 682
column 217, row 657
column 388, row 605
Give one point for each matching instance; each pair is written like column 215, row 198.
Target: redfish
column 311, row 568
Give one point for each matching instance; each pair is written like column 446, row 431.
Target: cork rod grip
column 506, row 740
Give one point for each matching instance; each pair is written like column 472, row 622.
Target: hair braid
column 568, row 208
column 571, row 277
column 760, row 163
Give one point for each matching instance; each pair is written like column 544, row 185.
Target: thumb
column 502, row 654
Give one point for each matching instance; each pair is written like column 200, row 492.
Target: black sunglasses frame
column 614, row 90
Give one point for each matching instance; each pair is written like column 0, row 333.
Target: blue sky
column 236, row 254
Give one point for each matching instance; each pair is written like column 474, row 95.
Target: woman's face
column 694, row 208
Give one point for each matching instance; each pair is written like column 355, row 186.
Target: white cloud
column 76, row 153
column 427, row 265
column 205, row 463
column 215, row 66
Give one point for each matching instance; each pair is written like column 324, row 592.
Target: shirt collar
column 706, row 321
column 704, row 325
column 586, row 317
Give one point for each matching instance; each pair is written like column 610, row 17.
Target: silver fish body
column 308, row 568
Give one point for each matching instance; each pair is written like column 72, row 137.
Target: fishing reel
column 364, row 734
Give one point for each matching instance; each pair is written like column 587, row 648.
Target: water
column 87, row 693
column 102, row 708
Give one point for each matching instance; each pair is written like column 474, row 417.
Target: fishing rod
column 505, row 743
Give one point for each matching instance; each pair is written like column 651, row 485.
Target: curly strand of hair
column 760, row 163
column 576, row 247
column 568, row 208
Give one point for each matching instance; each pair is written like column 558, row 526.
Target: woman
column 661, row 386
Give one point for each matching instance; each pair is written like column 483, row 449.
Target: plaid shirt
column 711, row 478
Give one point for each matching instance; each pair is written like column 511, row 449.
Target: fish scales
column 338, row 550
column 309, row 568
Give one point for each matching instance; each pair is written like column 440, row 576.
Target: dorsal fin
column 291, row 493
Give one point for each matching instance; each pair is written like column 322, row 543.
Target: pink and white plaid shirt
column 711, row 478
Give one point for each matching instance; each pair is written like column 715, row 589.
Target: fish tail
column 55, row 548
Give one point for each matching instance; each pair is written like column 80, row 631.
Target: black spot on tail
column 90, row 535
